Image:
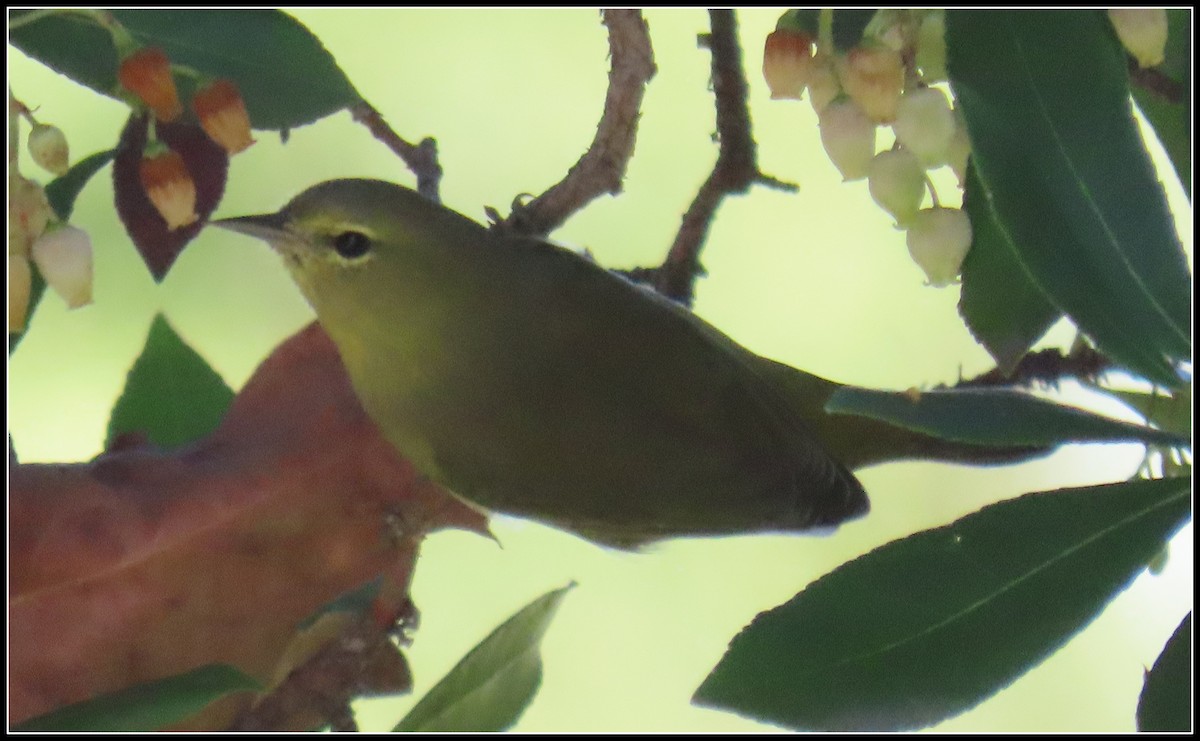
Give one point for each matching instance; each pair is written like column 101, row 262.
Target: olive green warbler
column 533, row 382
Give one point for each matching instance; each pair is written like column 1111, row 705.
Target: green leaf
column 992, row 417
column 848, row 27
column 1171, row 413
column 1001, row 305
column 924, row 628
column 491, row 686
column 356, row 602
column 1045, row 95
column 171, row 394
column 61, row 192
column 285, row 75
column 1172, row 123
column 1166, row 701
column 1177, row 56
column 146, row 707
column 801, row 19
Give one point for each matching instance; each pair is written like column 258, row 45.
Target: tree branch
column 736, row 168
column 602, row 167
column 420, row 158
column 361, row 662
column 1156, row 82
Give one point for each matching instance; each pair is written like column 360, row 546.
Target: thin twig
column 1156, row 82
column 1047, row 367
column 421, row 158
column 602, row 167
column 361, row 661
column 736, row 169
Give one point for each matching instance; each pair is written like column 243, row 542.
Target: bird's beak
column 271, row 228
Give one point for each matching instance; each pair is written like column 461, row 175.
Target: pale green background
column 818, row 279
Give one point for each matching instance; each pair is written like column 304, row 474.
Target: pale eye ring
column 351, row 244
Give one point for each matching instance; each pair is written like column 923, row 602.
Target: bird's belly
column 590, row 463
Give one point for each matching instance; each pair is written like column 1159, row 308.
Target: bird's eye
column 352, row 245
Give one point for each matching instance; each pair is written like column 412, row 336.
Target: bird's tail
column 858, row 442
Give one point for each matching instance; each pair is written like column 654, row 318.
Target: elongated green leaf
column 926, row 627
column 147, row 707
column 171, row 394
column 1046, row 99
column 991, row 417
column 1171, row 413
column 1166, row 700
column 1004, row 309
column 1172, row 123
column 61, row 192
column 490, row 688
column 285, row 75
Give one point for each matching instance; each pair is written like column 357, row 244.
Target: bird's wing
column 637, row 395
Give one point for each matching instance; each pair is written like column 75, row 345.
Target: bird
column 531, row 381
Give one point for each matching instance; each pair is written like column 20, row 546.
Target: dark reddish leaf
column 207, row 163
column 141, row 564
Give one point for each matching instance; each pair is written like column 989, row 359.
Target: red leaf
column 141, row 564
column 207, row 163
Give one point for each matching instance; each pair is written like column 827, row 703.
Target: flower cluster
column 36, row 236
column 146, row 73
column 887, row 80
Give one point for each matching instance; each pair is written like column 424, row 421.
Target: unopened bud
column 823, row 85
column 28, row 213
column 959, row 149
column 897, row 183
column 787, row 62
column 938, row 240
column 849, row 138
column 873, row 76
column 931, row 46
column 1143, row 31
column 925, row 124
column 48, row 147
column 64, row 258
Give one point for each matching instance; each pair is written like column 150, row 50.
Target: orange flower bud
column 873, row 76
column 223, row 115
column 170, row 188
column 147, row 74
column 787, row 63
